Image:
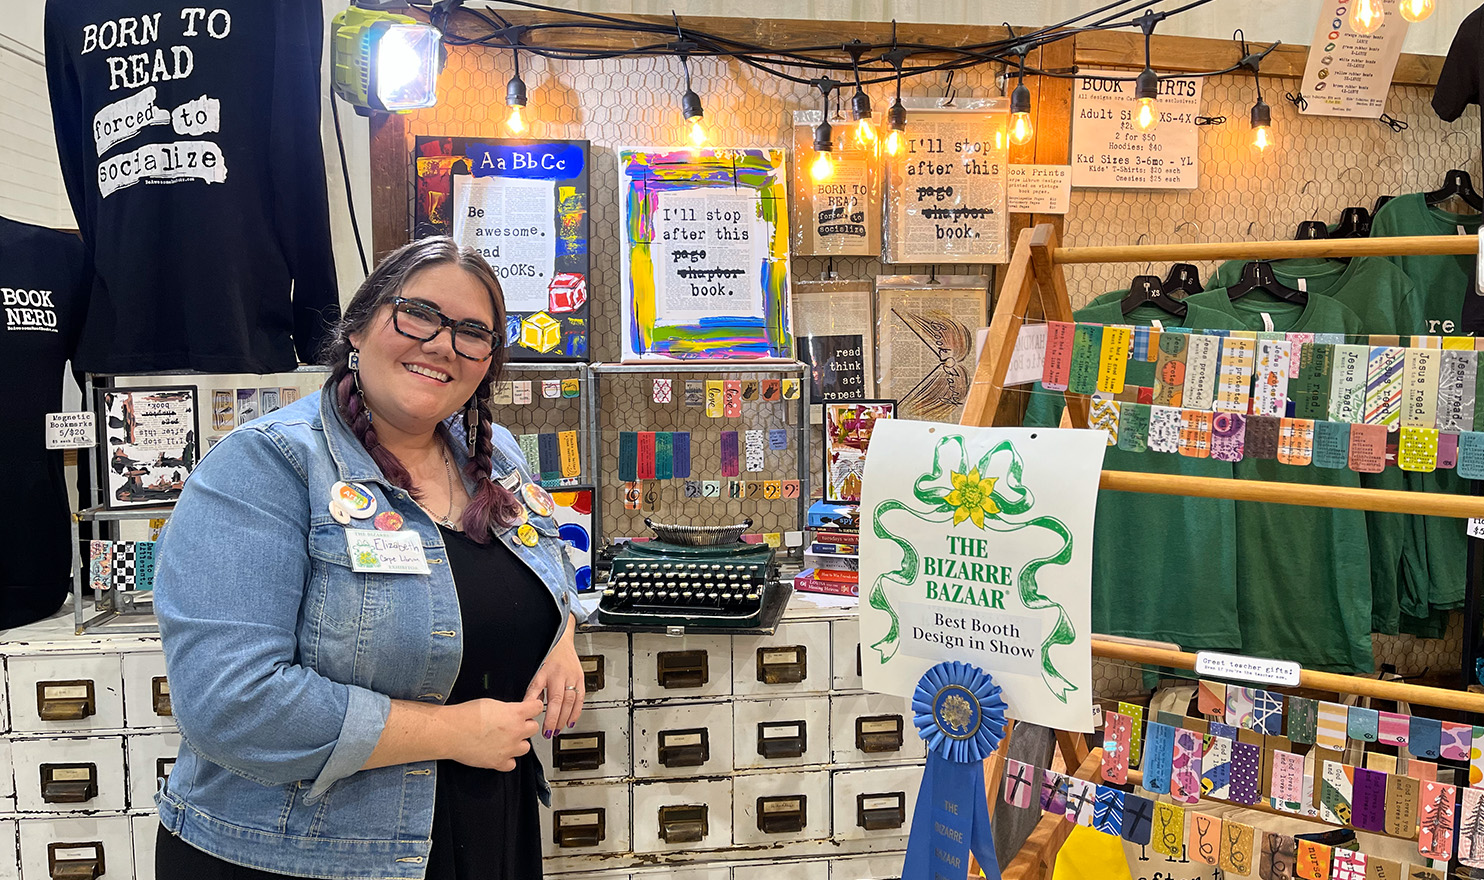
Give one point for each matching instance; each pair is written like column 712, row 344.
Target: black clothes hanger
column 1380, row 200
column 1258, row 275
column 1310, row 230
column 1184, row 279
column 1456, row 183
column 1355, row 222
column 1148, row 290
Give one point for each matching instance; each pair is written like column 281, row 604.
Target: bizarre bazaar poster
column 523, row 205
column 976, row 545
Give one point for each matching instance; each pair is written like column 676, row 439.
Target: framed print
column 150, row 444
column 848, row 425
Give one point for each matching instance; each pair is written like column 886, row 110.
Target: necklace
column 447, row 520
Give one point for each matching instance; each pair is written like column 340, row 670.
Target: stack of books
column 832, row 558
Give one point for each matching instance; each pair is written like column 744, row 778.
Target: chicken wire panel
column 543, row 414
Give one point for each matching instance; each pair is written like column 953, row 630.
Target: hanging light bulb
column 1262, row 120
column 1366, row 16
column 690, row 108
column 1021, row 127
column 860, row 111
column 896, row 120
column 1416, row 10
column 515, row 99
column 1146, row 90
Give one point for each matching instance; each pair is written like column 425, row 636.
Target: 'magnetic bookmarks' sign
column 1108, row 149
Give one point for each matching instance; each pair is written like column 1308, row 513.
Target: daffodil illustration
column 972, row 497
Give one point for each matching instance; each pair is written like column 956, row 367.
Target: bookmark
column 1205, row 838
column 1368, row 448
column 1303, row 719
column 1362, row 724
column 664, row 455
column 1113, row 358
column 1159, row 746
column 551, row 389
column 1107, row 811
column 1164, row 429
column 1380, row 761
column 1456, row 390
column 1331, row 445
column 1276, row 858
column 1135, row 714
column 1348, row 384
column 749, row 390
column 1471, row 454
column 1139, row 350
column 1228, row 436
column 550, row 454
column 1057, row 367
column 1133, row 427
column 1116, row 735
column 1185, row 767
column 1234, row 377
column 1313, row 860
column 790, row 389
column 571, row 458
column 680, row 450
column 691, row 489
column 1377, row 868
column 1262, row 437
column 729, row 464
column 1236, row 848
column 1392, row 729
column 1435, row 821
column 1447, row 450
column 1417, row 450
column 714, row 399
column 772, row 390
column 1210, row 696
column 1246, row 773
column 1348, row 864
column 1202, row 361
column 1309, row 390
column 1239, row 702
column 695, row 392
column 1421, row 368
column 1195, row 433
column 1216, row 728
column 1018, row 783
column 1102, row 415
column 1216, row 767
column 755, row 446
column 777, row 438
column 1295, row 441
column 1455, row 740
column 571, row 388
column 1288, row 778
column 1471, row 827
column 504, row 394
column 790, row 488
column 1476, row 758
column 664, row 390
column 628, row 456
column 646, row 455
column 1425, row 737
column 1053, row 793
column 530, row 448
column 1081, row 796
column 1383, row 385
column 653, row 496
column 1270, row 388
column 731, row 392
column 1333, row 720
column 1422, row 771
column 1336, row 789
column 1138, row 818
column 520, row 392
column 1368, row 802
column 1168, row 836
column 1418, row 872
column 1267, row 712
column 711, row 488
column 1086, row 343
column 1169, row 369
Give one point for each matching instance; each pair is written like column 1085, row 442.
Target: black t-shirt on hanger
column 1463, row 70
column 43, row 291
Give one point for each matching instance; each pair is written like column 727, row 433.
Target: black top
column 189, row 142
column 1463, row 70
column 486, row 824
column 43, row 288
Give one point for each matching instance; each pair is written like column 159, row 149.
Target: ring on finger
column 571, row 687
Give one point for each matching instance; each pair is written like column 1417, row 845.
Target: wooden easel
column 1036, row 267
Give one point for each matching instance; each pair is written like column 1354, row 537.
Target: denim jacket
column 283, row 661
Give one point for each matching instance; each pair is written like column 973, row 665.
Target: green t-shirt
column 1383, row 298
column 1437, row 553
column 1164, row 566
column 1304, row 574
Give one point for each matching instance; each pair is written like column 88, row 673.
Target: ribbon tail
column 981, row 838
column 918, row 862
column 1030, row 595
column 903, row 574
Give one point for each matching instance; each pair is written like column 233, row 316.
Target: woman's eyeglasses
column 420, row 321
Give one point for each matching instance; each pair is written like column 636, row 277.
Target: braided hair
column 491, row 505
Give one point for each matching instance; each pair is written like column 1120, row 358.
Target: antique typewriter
column 702, row 576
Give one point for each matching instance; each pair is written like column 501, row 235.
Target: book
column 806, row 582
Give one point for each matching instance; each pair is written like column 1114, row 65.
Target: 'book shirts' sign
column 1108, row 149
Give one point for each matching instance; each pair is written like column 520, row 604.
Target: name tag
column 386, row 552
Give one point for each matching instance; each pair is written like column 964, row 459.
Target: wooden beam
column 1412, row 245
column 1058, row 303
column 1037, row 858
column 1004, row 328
column 1301, row 494
column 390, row 197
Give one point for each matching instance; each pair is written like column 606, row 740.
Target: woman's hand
column 562, row 679
column 496, row 733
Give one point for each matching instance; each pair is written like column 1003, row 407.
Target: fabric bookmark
column 1185, row 767
column 1347, row 388
column 1333, row 720
column 1267, row 712
column 1417, row 449
column 1331, row 445
column 1270, row 386
column 1392, row 729
column 1383, row 385
column 730, row 466
column 777, row 439
column 1435, row 820
column 628, row 456
column 1447, row 450
column 772, row 390
column 1133, row 427
column 1228, row 436
column 695, row 392
column 1168, row 835
column 756, row 444
column 1471, row 454
column 1262, row 437
column 1456, row 390
column 1081, row 798
column 1164, row 429
column 731, row 392
column 1455, row 740
column 1336, row 789
column 1053, row 793
column 1425, row 737
column 571, row 456
column 1195, row 433
column 1476, row 758
column 1236, row 848
column 1086, row 343
column 1303, row 719
column 1276, row 857
column 1403, row 795
column 1234, row 376
column 1348, row 864
column 1139, row 351
column 1295, row 441
column 646, row 455
column 1368, row 448
column 1216, row 767
column 1102, row 415
column 1107, row 811
column 1309, row 390
column 1202, row 362
column 1057, row 366
column 715, row 398
column 1471, row 827
column 680, row 451
column 1159, row 747
column 1138, row 818
column 1019, row 783
column 1313, row 860
column 1135, row 714
column 1239, row 703
column 1205, row 838
column 1362, row 724
column 1421, row 368
column 1169, row 369
column 549, row 451
column 664, row 455
column 1246, row 773
column 1116, row 735
column 1288, row 778
column 1211, row 697
column 1113, row 358
column 1368, row 802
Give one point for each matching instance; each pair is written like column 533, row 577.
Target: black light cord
column 350, row 201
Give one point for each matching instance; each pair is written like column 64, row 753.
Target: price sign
column 1110, row 150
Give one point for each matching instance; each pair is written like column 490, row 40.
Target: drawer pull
column 782, row 665
column 69, row 783
column 877, row 812
column 683, row 823
column 782, row 815
column 878, row 733
column 592, row 672
column 75, row 861
column 65, row 700
column 782, row 739
column 163, row 766
column 160, row 696
column 578, row 751
column 858, row 671
column 685, row 748
column 579, row 828
column 683, row 669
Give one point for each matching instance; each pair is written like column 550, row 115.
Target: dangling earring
column 471, row 423
column 353, row 363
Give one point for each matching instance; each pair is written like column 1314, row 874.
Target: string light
column 860, row 102
column 1262, row 118
column 823, row 167
column 1021, row 127
column 1416, row 10
column 1366, row 16
column 896, row 117
column 690, row 108
column 1146, row 89
column 515, row 98
column 1262, row 114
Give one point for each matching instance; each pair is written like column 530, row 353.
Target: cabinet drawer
column 69, row 775
column 710, row 872
column 691, row 739
column 882, row 867
column 146, row 692
column 66, row 693
column 845, row 655
column 605, row 663
column 151, row 758
column 684, row 667
column 815, row 870
column 586, row 819
column 781, row 733
column 144, row 829
column 872, row 729
column 53, row 848
column 875, row 803
column 682, row 816
column 781, row 807
column 794, row 660
column 598, row 747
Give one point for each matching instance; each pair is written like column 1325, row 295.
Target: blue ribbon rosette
column 960, row 714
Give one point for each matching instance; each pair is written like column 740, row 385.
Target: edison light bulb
column 893, row 143
column 1260, row 138
column 823, row 168
column 1147, row 116
column 697, row 132
column 1416, row 10
column 1365, row 17
column 865, row 132
column 1021, row 129
column 516, row 122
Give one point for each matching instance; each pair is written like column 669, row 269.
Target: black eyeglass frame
column 444, row 321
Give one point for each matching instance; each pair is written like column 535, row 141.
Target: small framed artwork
column 848, row 425
column 150, row 444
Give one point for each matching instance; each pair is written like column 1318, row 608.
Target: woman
column 358, row 642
